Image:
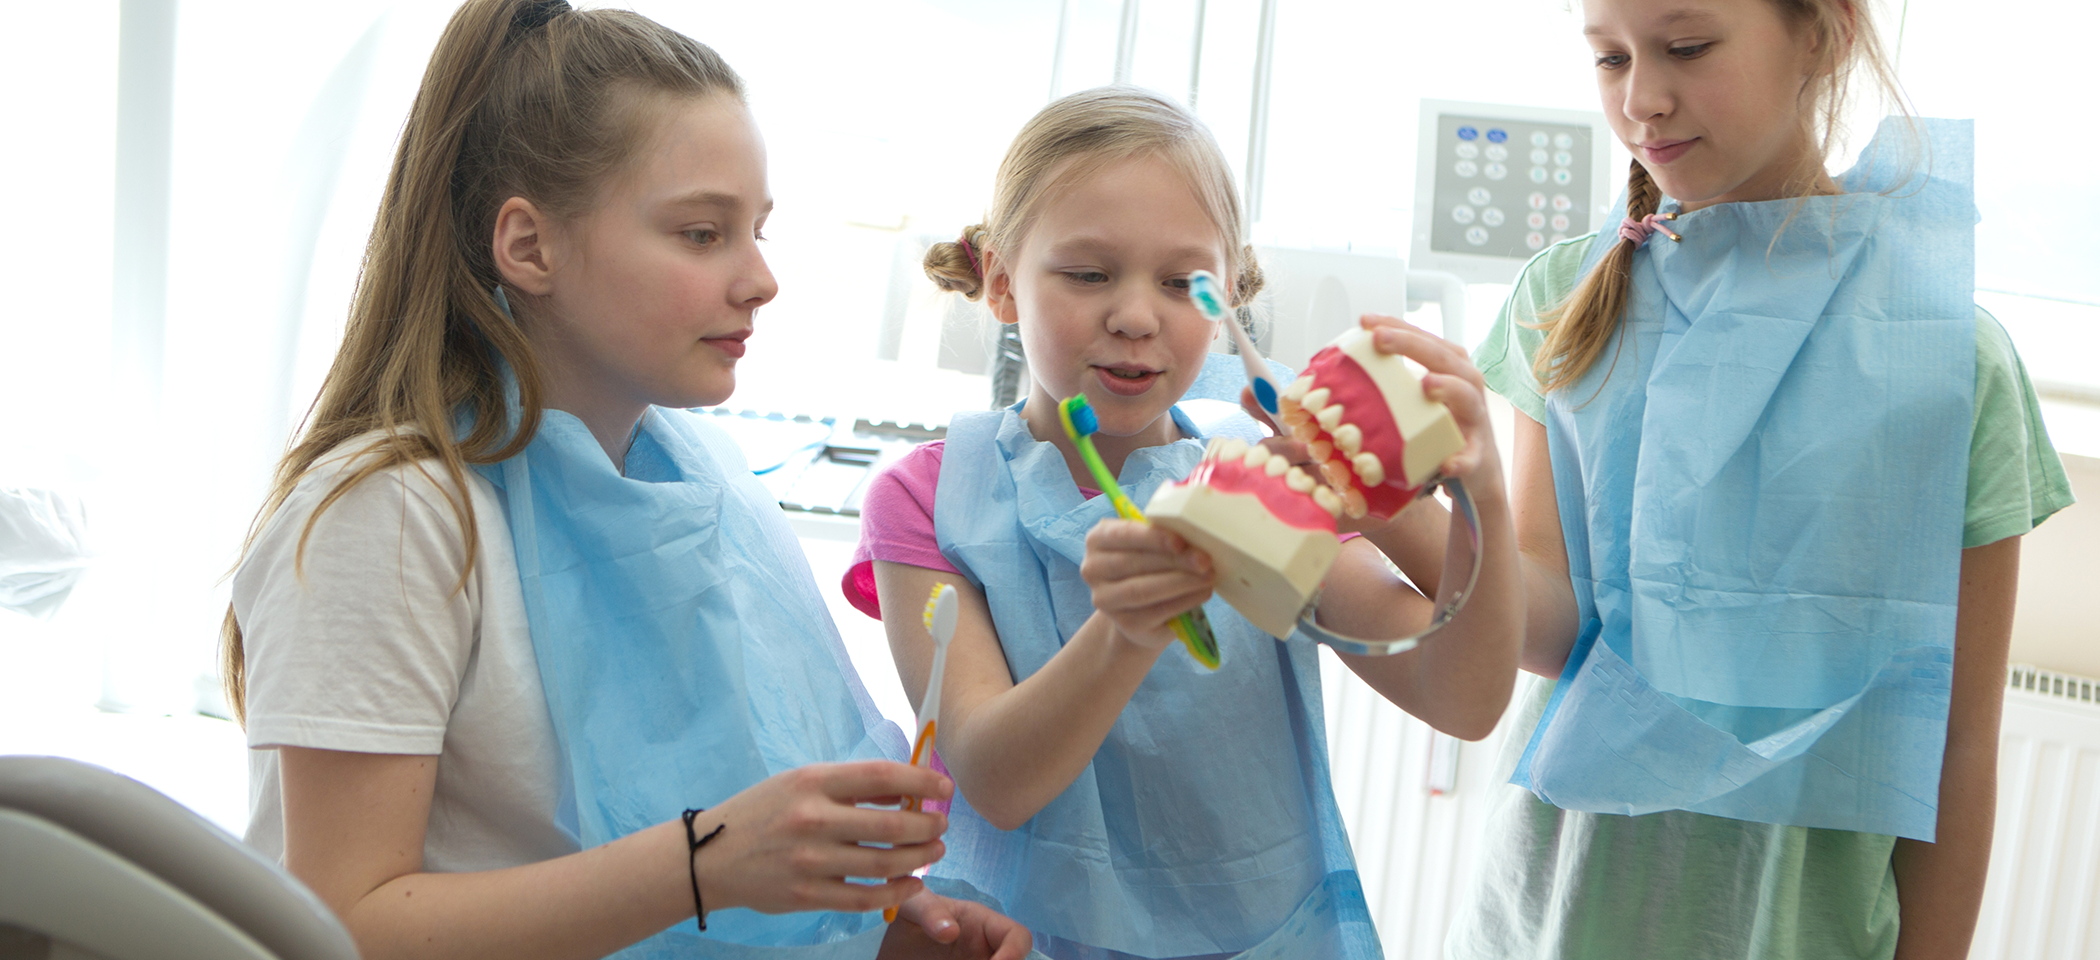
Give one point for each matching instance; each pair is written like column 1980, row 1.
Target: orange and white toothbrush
column 940, row 621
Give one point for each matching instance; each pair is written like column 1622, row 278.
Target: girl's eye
column 1087, row 276
column 1611, row 61
column 1178, row 284
column 1691, row 52
column 703, row 237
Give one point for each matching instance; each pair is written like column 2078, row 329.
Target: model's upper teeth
column 1330, row 417
column 1337, row 472
column 1320, row 450
column 1349, row 438
column 1368, row 468
column 1298, row 389
column 1315, row 400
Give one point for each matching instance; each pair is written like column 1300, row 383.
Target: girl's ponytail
column 957, row 266
column 522, row 98
column 1578, row 329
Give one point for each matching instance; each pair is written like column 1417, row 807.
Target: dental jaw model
column 1269, row 527
column 1362, row 415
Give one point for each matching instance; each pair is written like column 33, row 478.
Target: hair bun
column 957, row 265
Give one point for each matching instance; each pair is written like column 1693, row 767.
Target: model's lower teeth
column 1336, row 445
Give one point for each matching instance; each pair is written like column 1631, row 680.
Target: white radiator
column 2042, row 901
column 1413, row 800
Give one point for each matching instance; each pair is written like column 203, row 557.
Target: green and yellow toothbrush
column 1080, row 424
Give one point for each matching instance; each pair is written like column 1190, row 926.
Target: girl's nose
column 1647, row 96
column 1134, row 313
column 756, row 287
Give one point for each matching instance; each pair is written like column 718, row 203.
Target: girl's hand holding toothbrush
column 1142, row 578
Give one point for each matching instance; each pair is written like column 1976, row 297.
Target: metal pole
column 1196, row 55
column 1126, row 41
column 145, row 133
column 1057, row 52
column 1258, row 119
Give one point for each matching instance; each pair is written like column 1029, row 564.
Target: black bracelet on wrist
column 692, row 867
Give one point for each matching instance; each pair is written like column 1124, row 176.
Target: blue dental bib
column 1206, row 824
column 685, row 651
column 1762, row 485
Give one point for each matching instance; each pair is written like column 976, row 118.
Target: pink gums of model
column 1269, row 527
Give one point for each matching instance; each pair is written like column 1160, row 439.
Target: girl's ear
column 522, row 247
column 999, row 288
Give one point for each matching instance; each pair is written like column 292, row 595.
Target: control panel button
column 1495, row 171
column 1538, row 138
column 1564, row 159
column 1537, row 200
column 1467, row 150
column 1477, row 236
column 1564, row 141
column 1496, row 151
column 1538, row 174
column 1462, row 213
column 1536, row 221
column 1558, row 237
column 1465, row 168
column 1479, row 196
column 1539, row 156
column 1497, row 134
column 1563, row 176
column 1468, row 133
column 1562, row 203
column 1492, row 216
column 1535, row 240
column 1560, row 222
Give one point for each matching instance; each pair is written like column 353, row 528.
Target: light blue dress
column 685, row 651
column 1205, row 825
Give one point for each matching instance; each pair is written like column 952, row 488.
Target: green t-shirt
column 1555, row 883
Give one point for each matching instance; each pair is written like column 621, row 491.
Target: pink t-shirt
column 896, row 524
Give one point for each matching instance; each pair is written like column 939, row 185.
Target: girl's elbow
column 1005, row 816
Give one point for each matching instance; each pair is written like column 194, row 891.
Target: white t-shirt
column 367, row 648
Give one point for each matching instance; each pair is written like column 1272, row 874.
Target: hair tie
column 1640, row 230
column 970, row 251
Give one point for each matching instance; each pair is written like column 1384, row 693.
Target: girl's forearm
column 1460, row 680
column 1939, row 886
column 1015, row 751
column 585, row 904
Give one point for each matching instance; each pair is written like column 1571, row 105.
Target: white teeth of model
column 1304, row 431
column 1256, row 456
column 1295, row 415
column 1315, row 400
column 1337, row 473
column 1330, row 417
column 1369, row 469
column 1230, row 448
column 1298, row 389
column 1299, row 481
column 1349, row 438
column 1276, row 466
column 1353, row 503
column 1320, row 450
column 1328, row 501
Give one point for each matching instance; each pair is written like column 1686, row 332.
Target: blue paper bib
column 1762, row 485
column 685, row 651
column 1205, row 825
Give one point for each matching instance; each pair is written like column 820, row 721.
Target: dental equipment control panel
column 1497, row 184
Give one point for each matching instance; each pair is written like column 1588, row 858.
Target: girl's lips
column 1664, row 151
column 733, row 346
column 1125, row 386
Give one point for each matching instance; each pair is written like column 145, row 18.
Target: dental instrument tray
column 819, row 464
